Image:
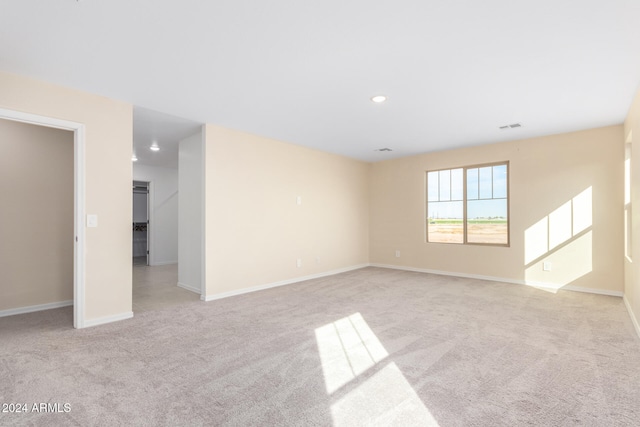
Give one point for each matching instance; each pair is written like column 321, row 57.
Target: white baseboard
column 634, row 320
column 107, row 319
column 541, row 285
column 619, row 294
column 281, row 283
column 33, row 308
column 189, row 288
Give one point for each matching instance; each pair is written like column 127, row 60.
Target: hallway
column 155, row 288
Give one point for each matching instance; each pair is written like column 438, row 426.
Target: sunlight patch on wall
column 570, row 262
column 536, row 240
column 348, row 349
column 582, row 211
column 562, row 241
column 560, row 225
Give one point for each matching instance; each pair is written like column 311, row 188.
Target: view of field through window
column 475, row 197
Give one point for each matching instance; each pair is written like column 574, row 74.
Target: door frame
column 79, row 187
column 149, row 253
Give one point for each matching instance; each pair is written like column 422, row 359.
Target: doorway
column 78, row 238
column 141, row 223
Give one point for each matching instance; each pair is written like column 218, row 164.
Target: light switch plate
column 92, row 220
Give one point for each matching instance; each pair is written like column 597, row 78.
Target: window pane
column 456, row 184
column 487, row 221
column 477, row 195
column 444, row 222
column 485, row 183
column 500, row 181
column 445, row 185
column 432, row 186
column 472, row 184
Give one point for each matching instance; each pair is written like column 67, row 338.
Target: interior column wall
column 108, row 133
column 190, row 207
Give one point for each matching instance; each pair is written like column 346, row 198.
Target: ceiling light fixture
column 134, row 158
column 378, row 99
column 154, row 147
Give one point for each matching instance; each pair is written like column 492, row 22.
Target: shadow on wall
column 559, row 247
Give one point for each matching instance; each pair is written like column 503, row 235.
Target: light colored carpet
column 368, row 347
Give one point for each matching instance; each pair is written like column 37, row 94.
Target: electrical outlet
column 397, row 253
column 299, row 262
column 546, row 266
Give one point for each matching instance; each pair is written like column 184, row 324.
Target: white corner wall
column 163, row 212
column 190, row 213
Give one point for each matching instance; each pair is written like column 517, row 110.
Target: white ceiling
column 303, row 71
column 165, row 130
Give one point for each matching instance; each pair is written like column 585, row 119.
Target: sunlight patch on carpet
column 348, row 348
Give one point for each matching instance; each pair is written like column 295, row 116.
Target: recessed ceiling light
column 378, row 99
column 154, row 147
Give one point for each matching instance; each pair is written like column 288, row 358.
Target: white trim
column 151, row 225
column 32, row 308
column 108, row 319
column 189, row 288
column 618, row 294
column 542, row 285
column 281, row 283
column 634, row 320
column 79, row 278
column 203, row 213
column 79, row 165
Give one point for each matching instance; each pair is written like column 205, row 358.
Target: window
column 469, row 205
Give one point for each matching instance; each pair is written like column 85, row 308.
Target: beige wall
column 109, row 131
column 545, row 174
column 36, row 215
column 632, row 269
column 352, row 212
column 255, row 231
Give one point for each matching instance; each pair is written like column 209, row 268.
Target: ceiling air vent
column 511, row 126
column 383, row 149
